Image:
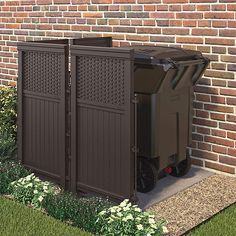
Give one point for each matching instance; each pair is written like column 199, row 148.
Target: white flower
column 129, row 217
column 124, row 203
column 110, row 221
column 165, row 230
column 45, row 188
column 40, row 198
column 139, row 227
column 36, row 191
column 151, row 221
column 113, row 210
column 137, row 209
column 119, row 214
column 154, row 226
column 102, row 213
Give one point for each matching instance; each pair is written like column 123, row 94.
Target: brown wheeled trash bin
column 163, row 80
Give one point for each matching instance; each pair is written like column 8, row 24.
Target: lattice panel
column 100, row 79
column 42, row 72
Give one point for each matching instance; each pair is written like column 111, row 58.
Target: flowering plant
column 128, row 219
column 30, row 190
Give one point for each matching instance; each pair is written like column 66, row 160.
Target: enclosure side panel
column 42, row 114
column 104, row 160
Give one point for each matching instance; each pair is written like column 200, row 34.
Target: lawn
column 19, row 220
column 223, row 224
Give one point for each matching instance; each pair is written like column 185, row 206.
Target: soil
column 192, row 206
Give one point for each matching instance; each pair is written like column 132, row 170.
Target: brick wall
column 205, row 25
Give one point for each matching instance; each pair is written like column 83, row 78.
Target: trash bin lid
column 162, row 54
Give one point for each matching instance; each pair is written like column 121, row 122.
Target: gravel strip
column 196, row 204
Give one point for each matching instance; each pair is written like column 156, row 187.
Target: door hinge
column 135, row 99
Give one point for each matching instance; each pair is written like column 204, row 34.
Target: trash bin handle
column 191, row 62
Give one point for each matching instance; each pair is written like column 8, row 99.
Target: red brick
column 220, row 41
column 217, row 116
column 219, row 149
column 204, row 154
column 232, row 24
column 231, row 118
column 220, row 141
column 92, row 14
column 137, row 37
column 204, row 146
column 203, row 7
column 204, row 122
column 228, row 33
column 219, row 74
column 203, row 32
column 189, row 23
column 227, row 126
column 124, row 29
column 231, row 135
column 218, row 99
column 202, row 1
column 149, row 7
column 219, row 24
column 189, row 15
column 174, row 8
column 220, row 167
column 166, row 39
column 220, row 50
column 219, row 133
column 204, row 23
column 196, row 162
column 227, row 160
column 202, row 114
column 219, row 82
column 101, row 1
column 203, row 130
column 177, row 31
column 231, row 7
column 231, row 101
column 191, row 40
column 219, row 15
column 44, row 2
column 218, row 108
column 163, row 15
column 149, row 22
column 80, row 28
column 175, row 1
column 228, row 92
column 61, row 1
column 232, row 152
column 148, row 30
column 124, row 1
column 218, row 7
column 203, row 97
column 149, row 1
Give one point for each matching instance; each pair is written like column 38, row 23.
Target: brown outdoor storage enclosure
column 86, row 110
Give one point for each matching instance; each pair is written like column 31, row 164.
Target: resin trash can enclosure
column 76, row 127
column 84, row 127
column 163, row 80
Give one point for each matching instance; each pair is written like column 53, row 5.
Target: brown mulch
column 190, row 207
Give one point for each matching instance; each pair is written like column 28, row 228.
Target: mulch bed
column 190, row 207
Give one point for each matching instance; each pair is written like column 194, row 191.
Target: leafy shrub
column 7, row 147
column 7, row 122
column 128, row 219
column 80, row 212
column 8, row 110
column 30, row 190
column 10, row 171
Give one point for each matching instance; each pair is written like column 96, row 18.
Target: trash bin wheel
column 182, row 168
column 146, row 175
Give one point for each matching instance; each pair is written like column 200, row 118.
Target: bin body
column 164, row 79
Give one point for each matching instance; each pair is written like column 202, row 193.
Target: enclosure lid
column 161, row 54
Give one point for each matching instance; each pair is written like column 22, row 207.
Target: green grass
column 19, row 220
column 223, row 224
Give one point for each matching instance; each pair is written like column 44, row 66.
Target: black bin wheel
column 182, row 168
column 146, row 175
